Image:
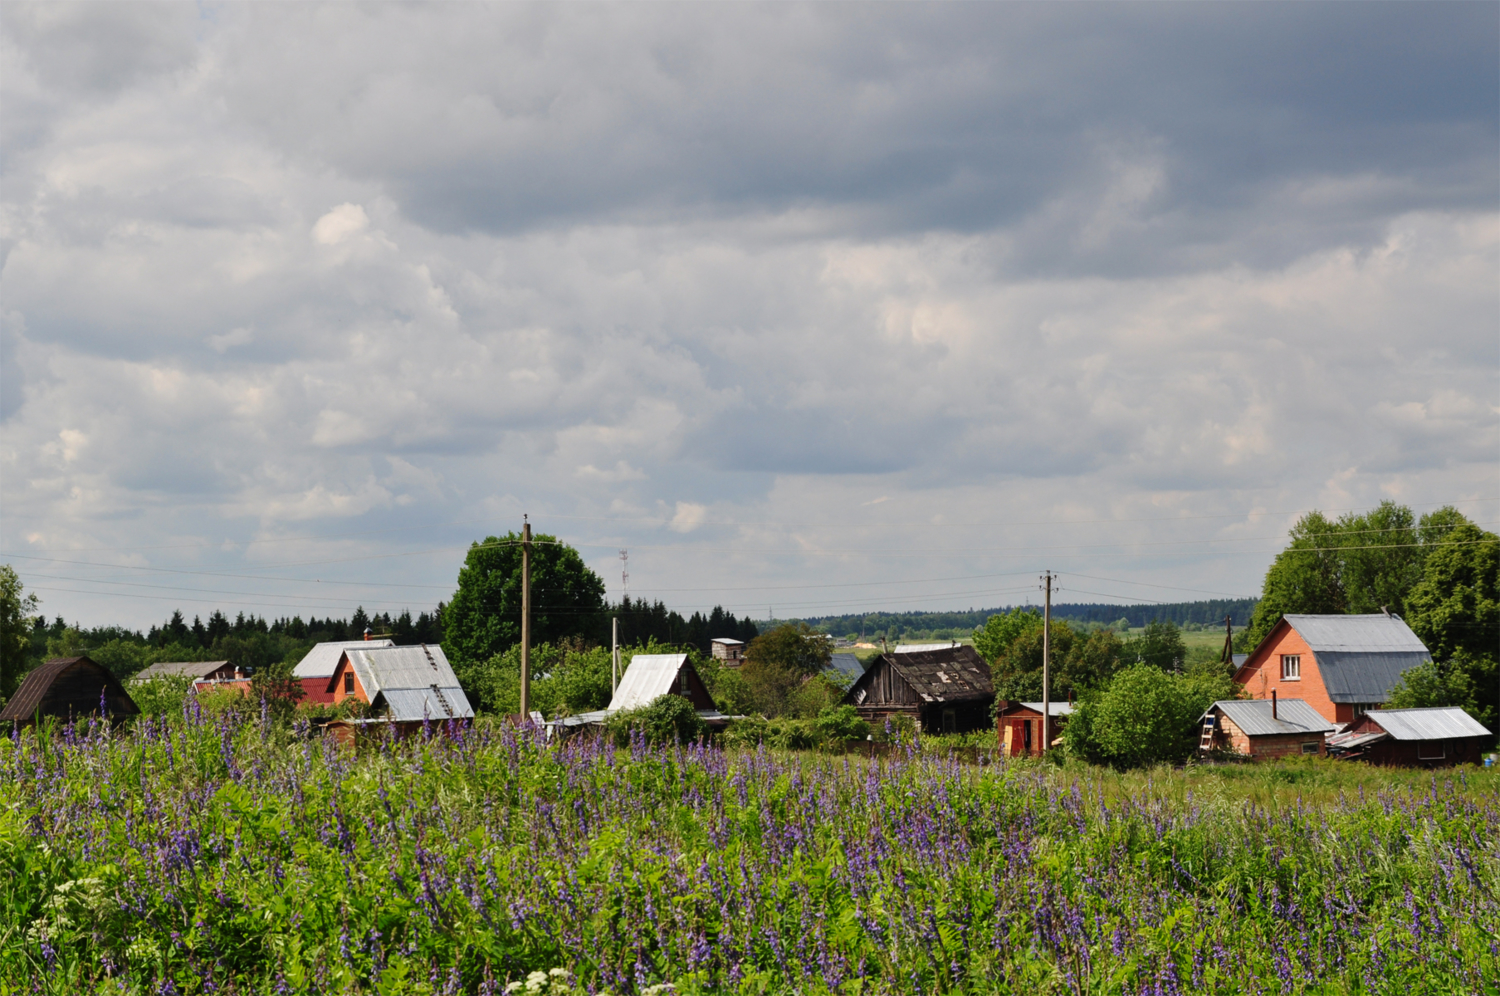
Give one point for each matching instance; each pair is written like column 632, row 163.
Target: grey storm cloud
column 674, row 273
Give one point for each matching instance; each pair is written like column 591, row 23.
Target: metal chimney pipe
column 1273, row 703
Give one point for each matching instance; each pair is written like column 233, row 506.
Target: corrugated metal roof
column 323, row 659
column 949, row 674
column 1374, row 633
column 1057, row 708
column 922, row 648
column 1349, row 741
column 725, row 639
column 435, row 703
column 1253, row 716
column 1365, row 676
column 647, row 678
column 1436, row 723
column 847, row 666
column 1238, row 660
column 181, row 669
column 385, row 668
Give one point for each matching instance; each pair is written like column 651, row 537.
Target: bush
column 841, row 723
column 161, row 696
column 669, row 718
column 1145, row 716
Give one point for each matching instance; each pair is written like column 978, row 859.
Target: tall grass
column 225, row 853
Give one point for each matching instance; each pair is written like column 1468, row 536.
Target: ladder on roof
column 442, row 701
column 1206, row 742
column 430, row 662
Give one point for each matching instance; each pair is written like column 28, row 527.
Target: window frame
column 1311, row 747
column 1441, row 748
column 1291, row 667
column 348, row 682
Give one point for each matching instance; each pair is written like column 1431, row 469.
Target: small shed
column 946, row 690
column 407, row 684
column 1265, row 728
column 651, row 676
column 1019, row 726
column 69, row 688
column 728, row 650
column 1429, row 738
column 196, row 670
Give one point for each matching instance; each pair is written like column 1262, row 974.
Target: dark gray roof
column 1254, row 717
column 1365, row 677
column 953, row 674
column 847, row 666
column 1239, row 660
column 1436, row 723
column 181, row 669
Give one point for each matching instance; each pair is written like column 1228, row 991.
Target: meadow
column 229, row 853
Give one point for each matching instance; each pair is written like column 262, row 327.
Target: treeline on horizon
column 942, row 625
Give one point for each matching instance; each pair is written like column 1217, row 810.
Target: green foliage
column 1456, row 681
column 783, row 672
column 1456, row 605
column 162, row 695
column 841, row 723
column 832, row 728
column 1159, row 645
column 1000, row 631
column 16, row 608
column 1145, row 716
column 484, row 618
column 1079, row 663
column 668, row 719
column 792, row 647
column 567, row 678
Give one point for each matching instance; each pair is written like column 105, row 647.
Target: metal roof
column 1374, row 633
column 435, row 703
column 922, row 648
column 726, row 639
column 1238, row 660
column 647, row 678
column 32, row 695
column 385, row 668
column 181, row 669
column 1056, row 708
column 323, row 659
column 949, row 674
column 1435, row 723
column 1253, row 716
column 846, row 665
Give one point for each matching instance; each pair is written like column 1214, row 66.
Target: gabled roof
column 919, row 648
column 846, row 666
column 181, row 669
column 648, row 677
column 727, row 640
column 1254, row 717
column 1360, row 658
column 1057, row 708
column 952, row 674
column 323, row 659
column 383, row 668
column 38, row 682
column 1436, row 723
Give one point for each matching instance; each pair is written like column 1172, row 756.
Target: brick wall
column 1262, row 673
column 1289, row 745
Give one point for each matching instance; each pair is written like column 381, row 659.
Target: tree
column 795, row 647
column 1001, row 629
column 1079, row 663
column 668, row 719
column 484, row 618
column 1145, row 716
column 16, row 624
column 1456, row 604
column 1160, row 645
column 1459, row 681
column 1303, row 578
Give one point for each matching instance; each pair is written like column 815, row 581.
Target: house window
column 1360, row 708
column 1431, row 751
column 348, row 682
column 1311, row 748
column 1291, row 667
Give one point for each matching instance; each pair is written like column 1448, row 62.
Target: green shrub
column 162, row 695
column 669, row 718
column 841, row 723
column 1145, row 716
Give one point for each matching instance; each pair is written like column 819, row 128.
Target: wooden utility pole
column 525, row 620
column 1047, row 664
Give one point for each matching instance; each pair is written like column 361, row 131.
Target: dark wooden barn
column 945, row 691
column 68, row 688
column 1435, row 737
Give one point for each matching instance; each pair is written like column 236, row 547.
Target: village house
column 68, row 688
column 1430, row 738
column 1341, row 666
column 198, row 671
column 730, row 652
column 1019, row 726
column 403, row 684
column 1264, row 728
column 944, row 690
column 319, row 663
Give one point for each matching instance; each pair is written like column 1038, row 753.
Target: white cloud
column 339, row 224
column 688, row 516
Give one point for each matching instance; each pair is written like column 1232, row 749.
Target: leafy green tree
column 1381, row 559
column 1145, row 716
column 1456, row 605
column 668, row 719
column 1304, row 578
column 1079, row 663
column 1159, row 645
column 795, row 647
column 484, row 618
column 16, row 624
column 1458, row 681
column 1000, row 631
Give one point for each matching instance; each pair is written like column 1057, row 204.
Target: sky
column 812, row 309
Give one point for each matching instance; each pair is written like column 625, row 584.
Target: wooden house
column 1341, row 666
column 947, row 690
column 1264, row 728
column 69, row 688
column 196, row 670
column 729, row 652
column 403, row 684
column 1427, row 738
column 1019, row 726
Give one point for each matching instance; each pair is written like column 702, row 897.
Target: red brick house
column 1266, row 728
column 1340, row 665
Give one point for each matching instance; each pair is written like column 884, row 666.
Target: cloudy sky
column 813, row 309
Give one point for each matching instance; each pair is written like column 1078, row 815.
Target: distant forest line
column 941, row 625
